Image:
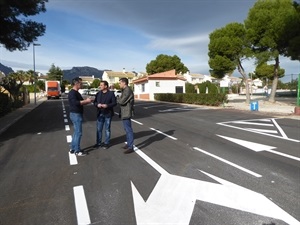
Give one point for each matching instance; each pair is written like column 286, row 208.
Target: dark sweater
column 74, row 101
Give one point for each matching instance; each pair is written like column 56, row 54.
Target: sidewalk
column 283, row 106
column 9, row 119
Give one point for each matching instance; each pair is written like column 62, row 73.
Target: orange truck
column 52, row 88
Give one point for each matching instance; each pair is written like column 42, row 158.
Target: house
column 166, row 82
column 198, row 78
column 113, row 77
column 87, row 80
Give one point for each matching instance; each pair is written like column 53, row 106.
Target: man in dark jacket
column 104, row 101
column 126, row 102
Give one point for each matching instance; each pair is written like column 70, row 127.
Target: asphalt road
column 192, row 165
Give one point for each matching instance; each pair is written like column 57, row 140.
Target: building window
column 157, row 84
column 178, row 89
column 143, row 87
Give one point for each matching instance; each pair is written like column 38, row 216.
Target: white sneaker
column 80, row 154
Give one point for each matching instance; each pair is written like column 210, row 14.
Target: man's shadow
column 121, row 139
column 155, row 138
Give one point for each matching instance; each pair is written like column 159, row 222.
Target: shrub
column 190, row 98
column 5, row 104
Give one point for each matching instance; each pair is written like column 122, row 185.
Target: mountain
column 82, row 71
column 6, row 70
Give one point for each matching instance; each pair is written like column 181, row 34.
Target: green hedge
column 5, row 104
column 191, row 98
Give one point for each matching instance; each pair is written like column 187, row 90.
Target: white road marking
column 66, row 120
column 248, row 144
column 67, row 127
column 69, row 138
column 264, row 131
column 280, row 129
column 173, row 199
column 65, row 115
column 258, row 147
column 82, row 212
column 251, row 123
column 227, row 124
column 137, row 122
column 72, row 159
column 229, row 163
column 163, row 134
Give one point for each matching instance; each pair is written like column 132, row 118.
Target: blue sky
column 117, row 34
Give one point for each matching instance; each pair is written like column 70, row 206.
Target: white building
column 166, row 82
column 197, row 78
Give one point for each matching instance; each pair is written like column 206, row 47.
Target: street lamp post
column 34, row 72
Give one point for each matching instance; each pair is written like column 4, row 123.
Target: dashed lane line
column 82, row 212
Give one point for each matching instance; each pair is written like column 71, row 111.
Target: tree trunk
column 275, row 81
column 242, row 72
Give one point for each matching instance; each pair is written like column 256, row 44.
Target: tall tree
column 55, row 73
column 228, row 48
column 266, row 25
column 164, row 63
column 17, row 32
column 293, row 34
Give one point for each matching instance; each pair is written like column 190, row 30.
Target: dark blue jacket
column 74, row 101
column 108, row 98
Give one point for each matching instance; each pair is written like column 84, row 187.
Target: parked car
column 93, row 91
column 118, row 93
column 83, row 91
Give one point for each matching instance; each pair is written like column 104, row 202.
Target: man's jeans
column 76, row 119
column 106, row 122
column 129, row 132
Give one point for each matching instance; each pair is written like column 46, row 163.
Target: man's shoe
column 80, row 153
column 128, row 151
column 125, row 147
column 72, row 151
column 105, row 146
column 98, row 145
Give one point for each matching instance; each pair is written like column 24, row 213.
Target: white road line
column 250, row 123
column 66, row 120
column 157, row 167
column 283, row 154
column 82, row 212
column 264, row 131
column 65, row 115
column 229, row 163
column 67, row 127
column 279, row 128
column 73, row 159
column 163, row 134
column 137, row 122
column 69, row 138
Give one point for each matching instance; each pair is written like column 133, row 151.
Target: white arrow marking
column 247, row 144
column 258, row 147
column 173, row 198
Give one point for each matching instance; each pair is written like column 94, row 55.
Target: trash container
column 254, row 106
